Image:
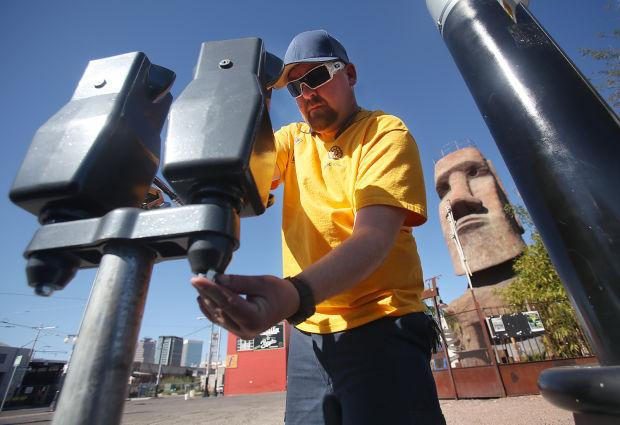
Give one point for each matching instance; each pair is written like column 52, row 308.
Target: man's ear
column 351, row 73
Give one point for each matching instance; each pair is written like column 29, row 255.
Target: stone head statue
column 488, row 235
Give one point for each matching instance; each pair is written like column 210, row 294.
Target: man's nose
column 306, row 91
column 461, row 198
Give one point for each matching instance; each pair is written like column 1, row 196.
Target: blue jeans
column 378, row 373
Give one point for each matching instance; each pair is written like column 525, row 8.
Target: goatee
column 321, row 118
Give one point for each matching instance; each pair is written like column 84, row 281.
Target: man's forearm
column 357, row 257
column 269, row 299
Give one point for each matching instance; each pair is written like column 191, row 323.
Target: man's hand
column 268, row 300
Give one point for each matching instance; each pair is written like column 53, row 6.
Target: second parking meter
column 219, row 148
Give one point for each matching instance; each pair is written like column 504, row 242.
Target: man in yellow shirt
column 353, row 188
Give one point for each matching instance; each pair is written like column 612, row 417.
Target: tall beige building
column 145, row 351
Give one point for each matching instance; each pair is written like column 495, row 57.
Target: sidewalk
column 524, row 410
column 268, row 409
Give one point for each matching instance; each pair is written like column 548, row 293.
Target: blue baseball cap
column 311, row 46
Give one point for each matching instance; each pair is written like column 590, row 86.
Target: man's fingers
column 217, row 316
column 204, row 308
column 218, row 294
column 243, row 316
column 249, row 285
column 218, row 298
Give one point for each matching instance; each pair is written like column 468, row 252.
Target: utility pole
column 434, row 295
column 212, row 341
column 217, row 360
column 161, row 347
column 205, row 393
column 208, row 365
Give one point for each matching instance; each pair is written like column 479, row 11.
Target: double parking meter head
column 98, row 153
column 90, row 166
column 219, row 146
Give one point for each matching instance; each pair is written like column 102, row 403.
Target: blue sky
column 403, row 67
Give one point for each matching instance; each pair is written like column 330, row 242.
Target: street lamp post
column 69, row 338
column 209, row 359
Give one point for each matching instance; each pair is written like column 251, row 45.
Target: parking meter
column 99, row 152
column 88, row 172
column 219, row 146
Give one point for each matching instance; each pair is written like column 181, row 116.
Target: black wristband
column 306, row 301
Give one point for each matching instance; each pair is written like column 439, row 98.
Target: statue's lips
column 470, row 222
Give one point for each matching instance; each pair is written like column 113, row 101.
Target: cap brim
column 281, row 83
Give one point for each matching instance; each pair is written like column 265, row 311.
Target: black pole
column 561, row 143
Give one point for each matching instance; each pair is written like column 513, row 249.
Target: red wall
column 257, row 371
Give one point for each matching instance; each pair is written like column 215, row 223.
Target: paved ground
column 268, row 409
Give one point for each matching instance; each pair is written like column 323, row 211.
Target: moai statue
column 490, row 238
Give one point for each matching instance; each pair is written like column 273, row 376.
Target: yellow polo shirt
column 374, row 161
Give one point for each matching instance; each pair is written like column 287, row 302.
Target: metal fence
column 533, row 332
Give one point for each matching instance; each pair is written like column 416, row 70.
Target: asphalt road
column 268, row 409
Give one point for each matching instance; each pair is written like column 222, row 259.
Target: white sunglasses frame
column 332, row 68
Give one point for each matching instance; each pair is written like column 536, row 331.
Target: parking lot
column 268, row 409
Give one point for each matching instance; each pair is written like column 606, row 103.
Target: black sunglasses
column 315, row 78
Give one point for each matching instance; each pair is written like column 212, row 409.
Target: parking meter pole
column 96, row 382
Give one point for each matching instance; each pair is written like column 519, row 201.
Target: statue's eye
column 442, row 189
column 475, row 171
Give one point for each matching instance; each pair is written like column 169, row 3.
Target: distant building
column 192, row 352
column 12, row 359
column 145, row 351
column 169, row 350
column 41, row 382
column 257, row 365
